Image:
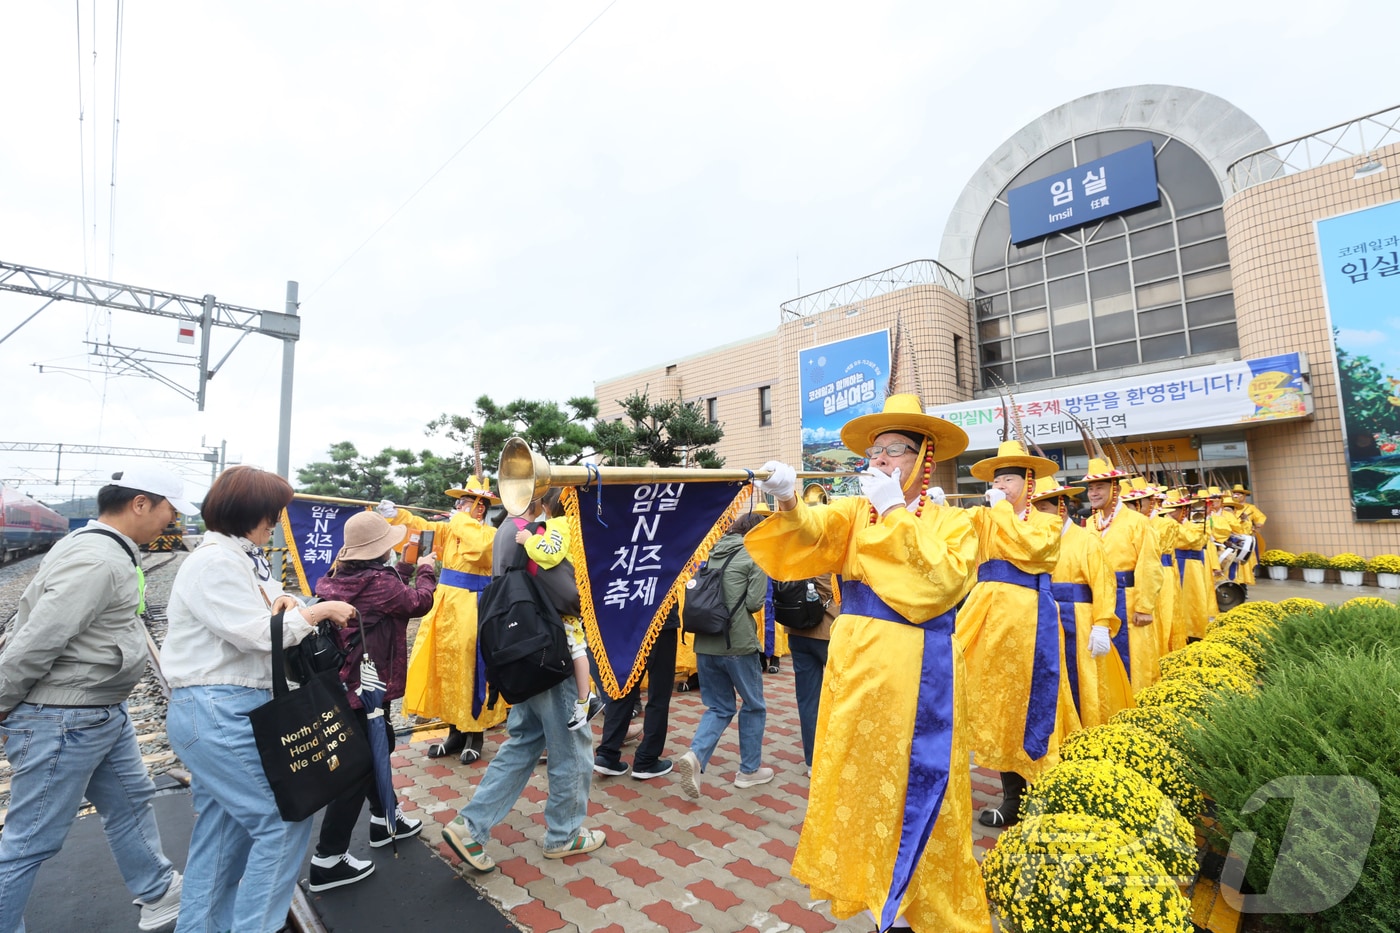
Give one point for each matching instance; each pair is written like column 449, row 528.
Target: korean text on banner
column 1234, row 393
column 1090, row 191
column 839, row 381
column 1359, row 253
column 315, row 533
column 634, row 547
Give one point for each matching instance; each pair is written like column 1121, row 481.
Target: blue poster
column 634, row 548
column 1360, row 258
column 839, row 381
column 1115, row 183
column 314, row 532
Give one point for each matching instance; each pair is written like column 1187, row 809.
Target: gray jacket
column 77, row 640
column 745, row 587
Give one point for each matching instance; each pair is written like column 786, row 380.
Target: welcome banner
column 634, row 548
column 1360, row 258
column 315, row 532
column 837, row 382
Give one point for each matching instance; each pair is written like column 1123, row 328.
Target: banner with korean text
column 837, row 382
column 1243, row 392
column 1360, row 259
column 315, row 532
column 634, row 548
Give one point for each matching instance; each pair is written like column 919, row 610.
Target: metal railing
column 1358, row 137
column 918, row 272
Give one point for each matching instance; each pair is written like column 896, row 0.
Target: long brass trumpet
column 525, row 475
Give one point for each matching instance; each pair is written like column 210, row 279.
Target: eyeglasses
column 894, row 450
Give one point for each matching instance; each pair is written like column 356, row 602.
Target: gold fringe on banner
column 293, row 552
column 585, row 594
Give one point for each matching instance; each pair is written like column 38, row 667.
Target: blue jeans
column 808, row 670
column 58, row 755
column 244, row 860
column 721, row 676
column 538, row 723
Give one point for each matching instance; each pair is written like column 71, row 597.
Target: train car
column 26, row 526
column 171, row 539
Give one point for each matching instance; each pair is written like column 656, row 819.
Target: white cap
column 154, row 480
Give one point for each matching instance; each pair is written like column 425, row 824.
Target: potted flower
column 1351, row 567
column 1314, row 566
column 1278, row 563
column 1386, row 567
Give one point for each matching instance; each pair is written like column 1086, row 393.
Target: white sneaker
column 753, row 778
column 688, row 770
column 164, row 910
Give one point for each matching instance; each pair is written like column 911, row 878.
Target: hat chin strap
column 907, row 482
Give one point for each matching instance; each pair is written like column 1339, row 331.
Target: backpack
column 797, row 604
column 520, row 635
column 705, row 611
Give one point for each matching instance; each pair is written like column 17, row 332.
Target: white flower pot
column 1314, row 574
column 1389, row 581
column 1278, row 573
column 1352, row 577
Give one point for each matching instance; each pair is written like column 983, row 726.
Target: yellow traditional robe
column 997, row 627
column 442, row 666
column 1103, row 684
column 920, row 566
column 1171, row 610
column 1197, row 588
column 1132, row 545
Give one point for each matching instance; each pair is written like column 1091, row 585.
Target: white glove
column 1099, row 643
column 387, row 508
column 781, row 481
column 937, row 496
column 995, row 495
column 882, row 491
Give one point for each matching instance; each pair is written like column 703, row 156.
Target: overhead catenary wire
column 116, row 126
column 82, row 160
column 470, row 139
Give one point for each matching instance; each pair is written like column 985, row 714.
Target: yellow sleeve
column 920, row 565
column 1147, row 574
column 418, row 523
column 1102, row 583
column 1032, row 543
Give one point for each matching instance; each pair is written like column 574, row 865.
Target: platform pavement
column 719, row 864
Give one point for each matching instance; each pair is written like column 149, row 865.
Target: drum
column 1229, row 595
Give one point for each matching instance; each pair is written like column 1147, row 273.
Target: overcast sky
column 673, row 175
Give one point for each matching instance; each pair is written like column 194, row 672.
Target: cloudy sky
column 523, row 199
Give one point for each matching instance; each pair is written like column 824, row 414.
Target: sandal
column 994, row 817
column 584, row 841
column 470, row 756
column 451, row 745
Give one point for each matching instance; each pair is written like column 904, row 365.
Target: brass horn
column 815, row 494
column 525, row 475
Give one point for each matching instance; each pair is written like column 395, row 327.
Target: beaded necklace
column 1104, row 523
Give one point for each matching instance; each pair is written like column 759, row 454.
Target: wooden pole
column 339, row 501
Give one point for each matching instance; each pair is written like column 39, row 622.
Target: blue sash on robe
column 1066, row 595
column 476, row 582
column 1045, row 666
column 1120, row 641
column 930, row 747
column 1185, row 554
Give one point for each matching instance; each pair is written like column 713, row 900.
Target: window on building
column 712, row 410
column 765, row 406
column 957, row 361
column 1152, row 284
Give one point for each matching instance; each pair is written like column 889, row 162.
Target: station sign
column 1096, row 189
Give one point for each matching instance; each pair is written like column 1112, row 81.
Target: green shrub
column 1311, row 560
column 1336, row 713
column 1308, row 636
column 1384, row 563
column 1348, row 562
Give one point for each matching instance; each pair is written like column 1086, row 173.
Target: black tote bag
column 311, row 747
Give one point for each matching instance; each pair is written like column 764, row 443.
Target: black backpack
column 520, row 635
column 706, row 612
column 797, row 604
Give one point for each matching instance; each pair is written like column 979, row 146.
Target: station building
column 1146, row 260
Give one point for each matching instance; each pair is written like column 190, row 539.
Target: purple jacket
column 385, row 602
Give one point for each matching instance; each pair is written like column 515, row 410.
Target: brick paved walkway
column 720, row 864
